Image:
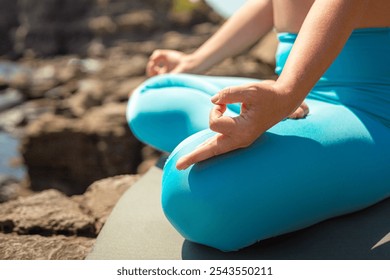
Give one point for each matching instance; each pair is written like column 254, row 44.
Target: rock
column 265, row 50
column 101, row 197
column 121, row 92
column 149, row 152
column 96, row 49
column 177, row 41
column 29, row 111
column 43, row 79
column 9, row 188
column 11, row 119
column 206, row 28
column 54, row 26
column 14, row 75
column 69, row 71
column 102, row 25
column 242, row 66
column 90, row 94
column 8, row 24
column 137, row 21
column 46, row 213
column 10, row 98
column 36, row 247
column 131, row 48
column 118, row 67
column 70, row 154
column 58, row 93
column 150, row 157
column 91, row 65
column 146, row 165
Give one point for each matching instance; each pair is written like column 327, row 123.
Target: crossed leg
column 296, row 174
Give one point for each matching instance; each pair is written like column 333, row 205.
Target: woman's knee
column 200, row 208
column 192, row 209
column 164, row 111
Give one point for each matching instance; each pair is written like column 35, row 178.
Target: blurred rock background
column 66, row 70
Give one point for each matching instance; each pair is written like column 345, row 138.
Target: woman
column 255, row 174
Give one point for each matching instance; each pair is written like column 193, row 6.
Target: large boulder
column 47, row 213
column 69, row 154
column 50, row 225
column 102, row 195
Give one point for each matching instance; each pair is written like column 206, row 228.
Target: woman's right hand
column 168, row 61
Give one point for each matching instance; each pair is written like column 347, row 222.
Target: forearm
column 243, row 29
column 322, row 36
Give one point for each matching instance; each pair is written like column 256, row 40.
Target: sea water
column 9, row 150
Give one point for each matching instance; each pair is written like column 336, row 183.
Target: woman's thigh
column 298, row 173
column 166, row 109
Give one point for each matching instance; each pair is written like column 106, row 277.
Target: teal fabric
column 300, row 172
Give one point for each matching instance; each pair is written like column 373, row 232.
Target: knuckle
column 224, row 93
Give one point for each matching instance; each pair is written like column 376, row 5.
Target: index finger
column 217, row 145
column 233, row 94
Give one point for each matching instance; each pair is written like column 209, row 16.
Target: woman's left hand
column 262, row 106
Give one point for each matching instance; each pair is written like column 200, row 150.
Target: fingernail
column 182, row 167
column 215, row 98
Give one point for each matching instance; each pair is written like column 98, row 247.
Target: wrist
column 292, row 97
column 191, row 64
column 200, row 61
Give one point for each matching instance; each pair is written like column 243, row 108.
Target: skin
column 324, row 26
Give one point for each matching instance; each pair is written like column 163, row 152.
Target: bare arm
column 323, row 34
column 240, row 31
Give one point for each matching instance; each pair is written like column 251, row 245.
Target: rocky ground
column 51, row 225
column 63, row 92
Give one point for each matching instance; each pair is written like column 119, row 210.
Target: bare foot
column 301, row 112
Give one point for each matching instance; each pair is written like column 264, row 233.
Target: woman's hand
column 169, row 61
column 263, row 105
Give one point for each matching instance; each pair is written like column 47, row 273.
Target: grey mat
column 137, row 229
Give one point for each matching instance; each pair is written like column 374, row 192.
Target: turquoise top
column 359, row 77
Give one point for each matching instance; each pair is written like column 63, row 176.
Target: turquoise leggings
column 298, row 173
